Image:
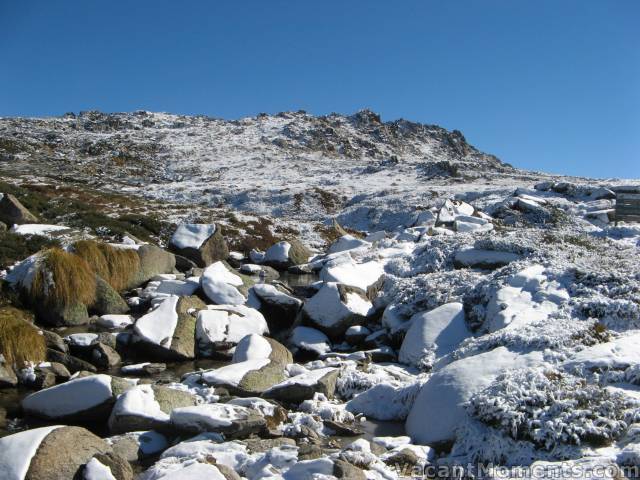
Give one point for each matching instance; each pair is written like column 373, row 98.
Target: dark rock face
column 12, row 211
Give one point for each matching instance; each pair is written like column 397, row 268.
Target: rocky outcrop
column 13, row 212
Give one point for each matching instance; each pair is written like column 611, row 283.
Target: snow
column 218, row 272
column 94, row 470
column 163, row 288
column 348, row 272
column 392, row 442
column 305, row 379
column 82, row 339
column 157, row 326
column 326, row 307
column 278, row 253
column 233, row 374
column 187, row 471
column 37, row 229
column 17, row 451
column 208, row 416
column 113, row 321
column 140, row 402
column 250, row 268
column 438, row 408
column 251, row 347
column 69, row 398
column 230, row 325
column 617, row 354
column 192, row 235
column 472, row 257
column 222, row 293
column 385, row 401
column 264, row 291
column 347, row 242
column 310, row 339
column 439, row 331
column 318, row 469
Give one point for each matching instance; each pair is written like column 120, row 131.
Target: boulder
column 83, row 399
column 221, row 285
column 104, row 357
column 73, row 364
column 337, row 307
column 8, row 377
column 309, row 340
column 107, row 466
column 146, row 407
column 153, row 261
column 247, row 378
column 201, row 243
column 439, row 408
column 54, row 341
column 485, row 259
column 232, row 421
column 263, row 271
column 304, row 386
column 49, row 453
column 219, row 328
column 257, row 347
column 433, row 335
column 168, row 331
column 114, row 322
column 346, row 271
column 347, row 242
column 135, row 446
column 285, row 254
column 277, row 305
column 108, row 301
column 63, row 316
column 146, row 368
column 13, row 212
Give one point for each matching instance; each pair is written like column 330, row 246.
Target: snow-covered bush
column 550, row 408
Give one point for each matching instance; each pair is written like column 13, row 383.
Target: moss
column 118, row 266
column 19, row 340
column 63, row 279
column 15, row 247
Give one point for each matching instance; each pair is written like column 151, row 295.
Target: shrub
column 63, row 279
column 19, row 340
column 117, row 266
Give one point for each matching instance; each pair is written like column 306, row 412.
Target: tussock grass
column 62, row 279
column 117, row 266
column 19, row 340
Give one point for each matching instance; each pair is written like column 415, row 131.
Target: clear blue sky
column 547, row 84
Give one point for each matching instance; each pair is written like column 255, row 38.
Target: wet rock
column 104, row 357
column 303, row 387
column 147, row 407
column 203, row 244
column 13, row 212
column 73, row 364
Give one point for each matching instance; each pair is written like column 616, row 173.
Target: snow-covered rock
column 280, row 307
column 439, row 407
column 82, row 399
column 336, row 307
column 285, row 254
column 233, row 421
column 433, row 335
column 303, row 387
column 221, row 327
column 113, row 322
column 201, row 243
column 618, row 354
column 346, row 271
column 487, row 259
column 308, row 339
column 220, row 285
column 347, row 242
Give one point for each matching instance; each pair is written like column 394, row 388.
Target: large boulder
column 220, row 285
column 219, row 328
column 337, row 307
column 13, row 212
column 168, row 331
column 285, row 254
column 258, row 363
column 348, row 242
column 80, row 400
column 434, row 334
column 278, row 306
column 108, row 301
column 147, row 407
column 201, row 243
column 153, row 261
column 307, row 340
column 232, row 421
column 49, row 453
column 345, row 270
column 439, row 408
column 304, row 386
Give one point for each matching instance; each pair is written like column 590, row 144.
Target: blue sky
column 548, row 84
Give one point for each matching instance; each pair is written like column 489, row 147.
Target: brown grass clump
column 117, row 266
column 19, row 340
column 63, row 279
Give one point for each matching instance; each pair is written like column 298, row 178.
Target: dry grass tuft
column 117, row 266
column 63, row 279
column 19, row 340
